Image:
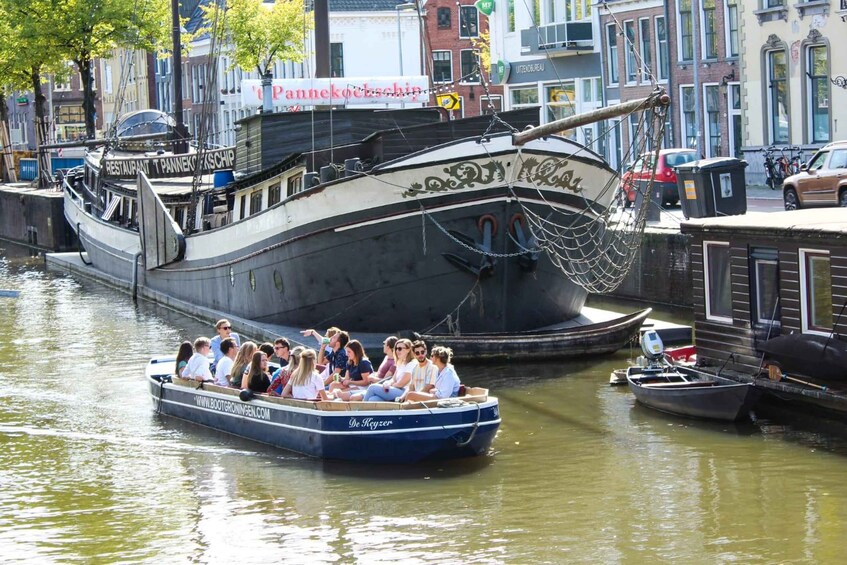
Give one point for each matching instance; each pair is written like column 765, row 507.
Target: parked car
column 821, row 182
column 639, row 173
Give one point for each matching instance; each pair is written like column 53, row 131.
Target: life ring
column 487, row 218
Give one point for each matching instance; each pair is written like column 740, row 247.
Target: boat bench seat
column 687, row 384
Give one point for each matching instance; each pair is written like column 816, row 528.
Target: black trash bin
column 712, row 187
column 653, row 200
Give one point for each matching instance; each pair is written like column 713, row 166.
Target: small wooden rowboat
column 377, row 432
column 684, row 392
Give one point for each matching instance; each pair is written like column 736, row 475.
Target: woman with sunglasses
column 404, row 362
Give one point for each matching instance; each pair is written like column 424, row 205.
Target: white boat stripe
column 333, row 432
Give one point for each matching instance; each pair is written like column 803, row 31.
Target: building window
column 713, row 121
column 468, row 21
column 295, row 185
column 443, row 15
column 470, row 66
column 490, row 104
column 274, row 194
column 710, row 34
column 765, row 284
column 735, row 120
column 689, row 119
column 773, row 3
column 646, row 51
column 686, row 35
column 816, row 291
column 336, row 59
column 662, row 47
column 818, row 93
column 636, row 135
column 560, row 104
column 777, row 86
column 612, row 42
column 511, row 17
column 255, row 202
column 716, row 270
column 732, row 28
column 442, row 66
column 242, row 209
column 629, row 49
column 523, row 97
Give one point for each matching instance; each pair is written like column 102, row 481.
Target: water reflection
column 578, row 472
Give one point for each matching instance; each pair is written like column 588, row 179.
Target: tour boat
column 374, row 432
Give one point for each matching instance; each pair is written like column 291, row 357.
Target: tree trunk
column 41, row 130
column 86, row 71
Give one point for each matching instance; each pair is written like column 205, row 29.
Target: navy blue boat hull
column 390, row 436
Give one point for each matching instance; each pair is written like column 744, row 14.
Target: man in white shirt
column 224, row 366
column 198, row 366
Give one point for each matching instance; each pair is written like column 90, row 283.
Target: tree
column 87, row 29
column 261, row 34
column 28, row 52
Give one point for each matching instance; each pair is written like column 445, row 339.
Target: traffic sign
column 449, row 101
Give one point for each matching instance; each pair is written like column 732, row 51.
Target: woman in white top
column 305, row 383
column 404, row 362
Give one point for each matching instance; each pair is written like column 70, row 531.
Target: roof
column 816, row 220
column 364, row 5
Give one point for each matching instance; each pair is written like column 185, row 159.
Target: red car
column 639, row 174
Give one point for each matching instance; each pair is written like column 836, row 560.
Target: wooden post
column 8, row 162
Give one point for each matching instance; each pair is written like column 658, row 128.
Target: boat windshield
column 144, row 122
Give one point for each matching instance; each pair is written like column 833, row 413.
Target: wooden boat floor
column 688, row 384
column 473, row 395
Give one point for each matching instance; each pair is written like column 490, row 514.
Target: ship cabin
column 761, row 275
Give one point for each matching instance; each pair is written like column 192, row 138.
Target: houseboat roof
column 820, row 220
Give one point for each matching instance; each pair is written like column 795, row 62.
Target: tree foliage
column 261, row 33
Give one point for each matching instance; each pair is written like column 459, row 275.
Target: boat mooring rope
column 475, row 428
column 81, row 258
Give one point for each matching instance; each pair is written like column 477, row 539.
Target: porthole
column 252, row 280
column 231, row 277
column 277, row 280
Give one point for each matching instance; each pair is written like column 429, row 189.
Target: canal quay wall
column 34, row 218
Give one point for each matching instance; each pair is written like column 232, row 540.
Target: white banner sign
column 338, row 91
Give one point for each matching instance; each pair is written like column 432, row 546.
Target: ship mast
column 180, row 137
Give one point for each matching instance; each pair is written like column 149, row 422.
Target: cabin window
column 765, row 286
column 255, row 202
column 179, row 216
column 716, row 263
column 295, row 185
column 242, row 212
column 274, row 194
column 816, row 291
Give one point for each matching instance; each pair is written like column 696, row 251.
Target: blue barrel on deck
column 222, row 178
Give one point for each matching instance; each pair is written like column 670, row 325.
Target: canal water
column 578, row 473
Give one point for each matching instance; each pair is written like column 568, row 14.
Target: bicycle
column 774, row 172
column 795, row 158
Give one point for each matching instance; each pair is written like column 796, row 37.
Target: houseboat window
column 274, row 194
column 242, row 212
column 179, row 216
column 718, row 283
column 295, row 185
column 765, row 285
column 816, row 289
column 255, row 202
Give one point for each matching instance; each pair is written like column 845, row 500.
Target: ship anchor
column 488, row 226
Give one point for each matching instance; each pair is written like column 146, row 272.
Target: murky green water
column 88, row 473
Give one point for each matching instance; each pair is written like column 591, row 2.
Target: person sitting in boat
column 282, row 351
column 182, row 356
column 268, row 349
column 224, row 329
column 242, row 363
column 223, row 370
column 197, row 367
column 387, row 364
column 332, row 352
column 404, row 364
column 447, row 382
column 305, row 383
column 258, row 380
column 282, row 375
column 424, row 372
column 359, row 369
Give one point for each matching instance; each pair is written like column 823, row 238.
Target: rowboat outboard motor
column 652, row 346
